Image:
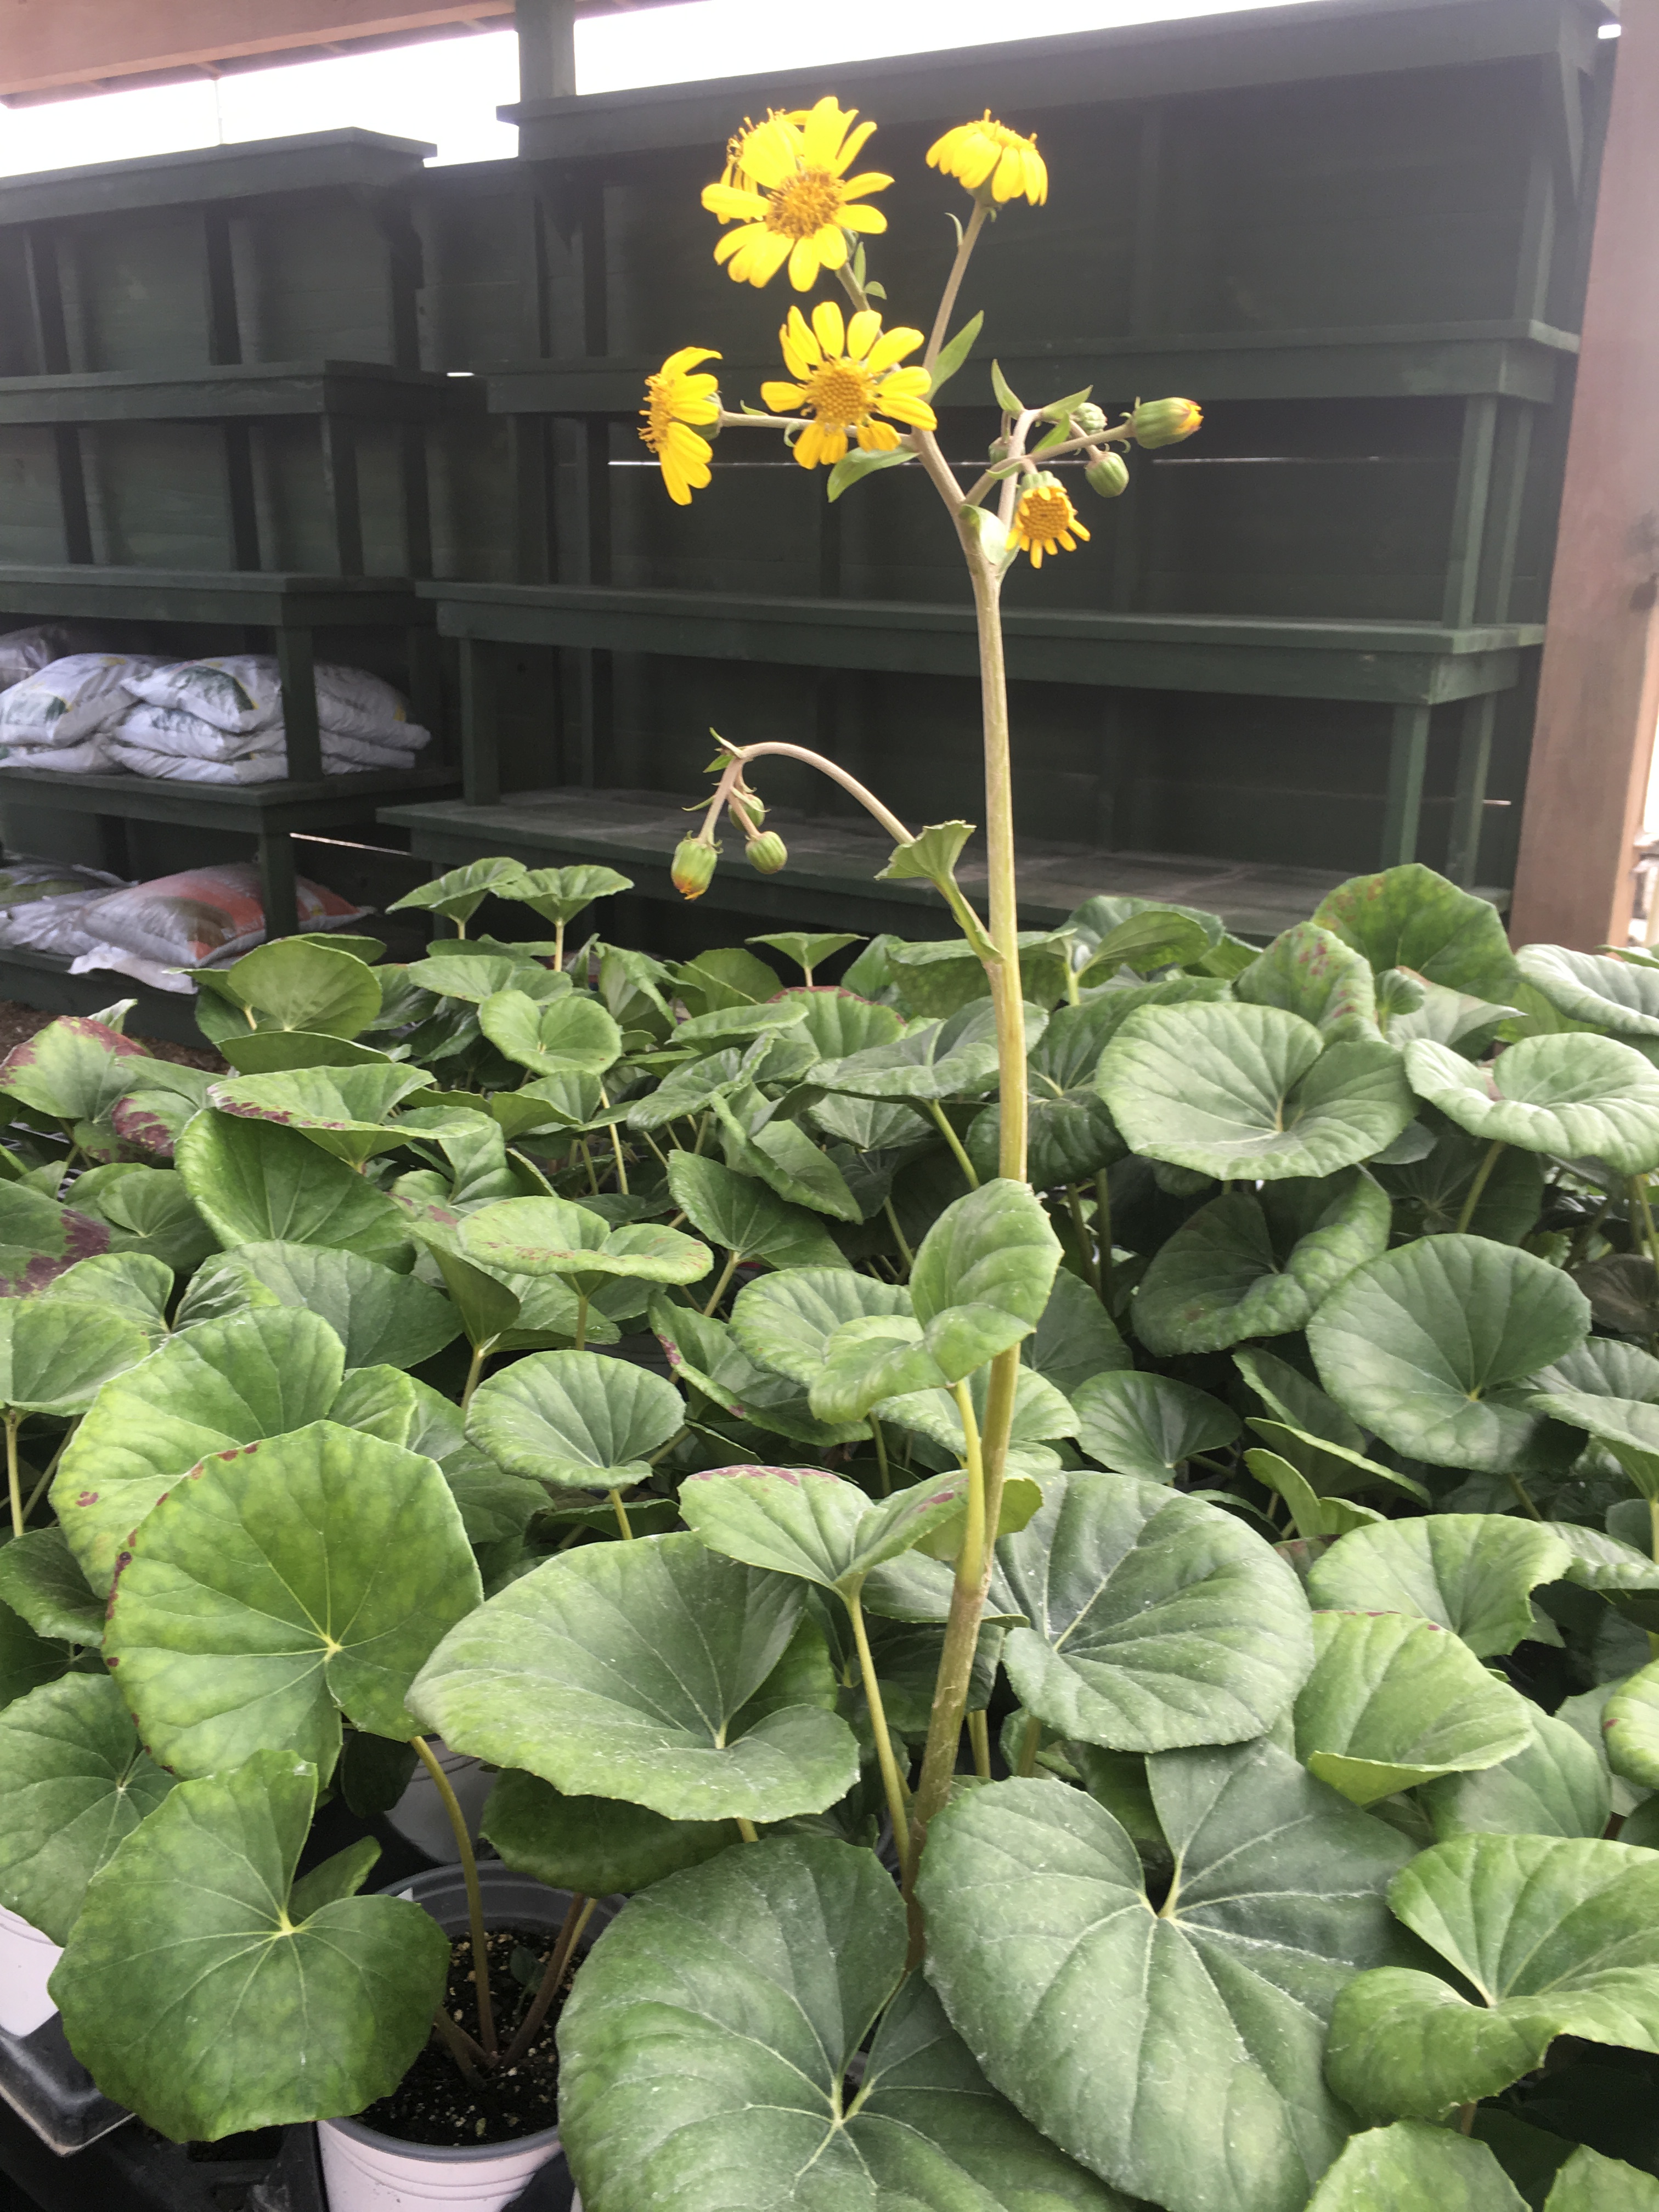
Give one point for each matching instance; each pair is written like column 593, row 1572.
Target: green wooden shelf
column 310, row 160
column 42, row 979
column 1522, row 360
column 271, row 598
column 829, row 882
column 1404, row 664
column 350, row 390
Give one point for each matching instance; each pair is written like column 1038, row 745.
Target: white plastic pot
column 27, row 1959
column 419, row 1813
column 366, row 2171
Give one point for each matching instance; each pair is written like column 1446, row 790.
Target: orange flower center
column 840, row 393
column 805, row 204
column 1044, row 515
column 659, row 411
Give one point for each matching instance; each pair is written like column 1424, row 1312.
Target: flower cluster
column 846, row 374
column 786, row 186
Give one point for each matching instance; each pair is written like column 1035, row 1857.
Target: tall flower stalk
column 851, row 404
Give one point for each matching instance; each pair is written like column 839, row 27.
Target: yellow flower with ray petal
column 1045, row 521
column 846, row 374
column 992, row 160
column 785, row 186
column 674, row 398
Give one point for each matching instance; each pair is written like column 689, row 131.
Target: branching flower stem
column 474, row 1894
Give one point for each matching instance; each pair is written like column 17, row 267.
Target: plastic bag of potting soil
column 205, row 913
column 67, row 700
column 239, row 692
column 25, row 651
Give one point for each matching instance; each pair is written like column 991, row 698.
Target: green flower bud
column 694, row 866
column 1158, row 422
column 767, row 853
column 1108, row 475
column 1087, row 420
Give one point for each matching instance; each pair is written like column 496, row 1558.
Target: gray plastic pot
column 366, row 2171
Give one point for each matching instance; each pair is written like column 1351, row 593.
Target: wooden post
column 547, row 49
column 1599, row 687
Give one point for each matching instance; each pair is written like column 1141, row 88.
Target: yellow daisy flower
column 786, row 186
column 990, row 156
column 1045, row 521
column 846, row 373
column 673, row 399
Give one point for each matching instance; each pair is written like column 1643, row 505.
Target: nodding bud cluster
column 1086, row 421
column 1107, row 473
column 694, row 860
column 1158, row 422
column 767, row 853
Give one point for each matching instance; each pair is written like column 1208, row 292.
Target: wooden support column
column 339, row 444
column 1402, row 809
column 481, row 737
column 296, row 666
column 547, row 48
column 1599, row 687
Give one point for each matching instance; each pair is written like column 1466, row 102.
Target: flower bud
column 750, row 811
column 767, row 853
column 694, row 866
column 1158, row 422
column 1086, row 421
column 1108, row 474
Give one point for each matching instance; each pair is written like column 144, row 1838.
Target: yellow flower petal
column 732, row 206
column 830, row 326
column 782, row 399
column 866, row 219
column 862, row 332
column 871, row 181
column 878, row 438
column 826, row 126
column 916, row 412
column 856, row 142
column 891, row 349
column 802, row 336
column 686, row 358
column 763, row 255
column 771, row 152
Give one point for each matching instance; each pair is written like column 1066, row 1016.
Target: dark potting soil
column 435, row 2104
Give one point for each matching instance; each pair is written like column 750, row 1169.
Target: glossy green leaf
column 43, row 1585
column 57, row 1353
column 582, row 1672
column 559, row 895
column 484, row 975
column 743, row 1215
column 214, row 1389
column 595, row 1846
column 1205, row 2018
column 1471, row 1572
column 1618, row 995
column 1628, row 1427
column 74, row 1069
column 1555, row 1786
column 1075, row 1338
column 78, row 1782
column 955, row 1058
column 1430, row 1347
column 461, row 891
column 800, row 1522
column 575, row 1418
column 193, row 1997
column 1238, row 1091
column 1409, row 917
column 133, row 1282
column 1555, row 1936
column 1568, row 1096
column 305, row 1576
column 1041, row 1414
column 41, row 1239
column 785, row 1320
column 295, row 983
column 1392, row 1701
column 552, row 1237
column 1156, row 1621
column 1589, row 2182
column 346, row 1111
column 1148, row 1425
column 1413, row 2168
column 1258, row 1265
column 570, row 1032
column 704, row 2048
column 782, row 1154
column 706, row 1356
column 27, row 1659
column 380, row 1318
column 255, row 1183
column 1630, row 1727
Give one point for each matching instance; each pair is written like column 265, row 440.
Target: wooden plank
column 296, row 668
column 42, row 979
column 1402, row 805
column 1469, row 800
column 481, row 749
column 1510, row 360
column 1473, row 500
column 1137, row 62
column 339, row 449
column 278, row 892
column 1598, row 686
column 249, row 809
column 240, row 502
column 308, row 161
column 219, row 288
column 1402, row 662
column 352, row 390
column 264, row 598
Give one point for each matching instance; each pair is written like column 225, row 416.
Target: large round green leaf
column 1556, row 1786
column 575, row 1418
column 596, row 1847
column 299, row 1578
column 197, row 1988
column 78, row 1782
column 27, row 1659
column 381, row 1318
column 1238, row 1091
column 1156, row 1621
column 570, row 1031
column 1041, row 1414
column 222, row 1385
column 780, row 1153
column 1148, row 1425
column 798, row 1520
column 1308, row 971
column 459, row 892
column 1392, row 1701
column 1594, row 987
column 1589, row 2182
column 139, row 1285
column 785, row 1320
column 1554, row 1936
column 74, row 1069
column 40, row 1239
column 1249, row 1265
column 641, row 1671
column 1471, row 1572
column 956, row 1058
column 1429, row 1346
column 1409, row 917
column 551, row 1236
column 346, row 1111
column 42, row 1584
column 704, row 2048
column 254, row 1182
column 745, row 1216
column 1416, row 2168
column 1174, row 2050
column 1574, row 1096
column 1630, row 1727
column 1075, row 1338
column 295, row 983
column 705, row 1356
column 57, row 1353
